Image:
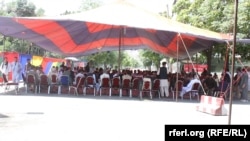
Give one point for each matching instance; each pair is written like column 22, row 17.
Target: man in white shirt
column 16, row 68
column 104, row 75
column 5, row 69
column 189, row 86
column 164, row 83
column 126, row 76
column 79, row 74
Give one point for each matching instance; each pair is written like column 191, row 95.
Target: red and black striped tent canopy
column 109, row 27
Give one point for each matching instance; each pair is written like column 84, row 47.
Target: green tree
column 90, row 4
column 2, row 8
column 110, row 59
column 217, row 16
column 21, row 8
column 104, row 59
column 67, row 12
column 150, row 58
column 129, row 61
column 25, row 9
column 40, row 12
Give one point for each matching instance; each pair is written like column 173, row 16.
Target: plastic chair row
column 84, row 84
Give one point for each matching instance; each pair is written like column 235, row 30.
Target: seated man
column 33, row 72
column 126, row 75
column 5, row 69
column 104, row 75
column 79, row 74
column 189, row 86
column 209, row 84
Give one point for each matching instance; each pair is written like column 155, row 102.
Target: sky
column 57, row 7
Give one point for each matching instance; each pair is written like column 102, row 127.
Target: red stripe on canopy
column 57, row 33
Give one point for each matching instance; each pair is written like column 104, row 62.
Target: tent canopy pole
column 177, row 60
column 233, row 58
column 192, row 63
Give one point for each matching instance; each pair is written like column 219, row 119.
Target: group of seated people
column 36, row 71
column 98, row 74
column 209, row 83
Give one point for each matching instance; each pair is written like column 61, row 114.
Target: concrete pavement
column 43, row 117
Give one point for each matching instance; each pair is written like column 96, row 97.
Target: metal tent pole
column 177, row 70
column 233, row 59
column 119, row 53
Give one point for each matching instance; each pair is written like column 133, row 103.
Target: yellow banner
column 37, row 60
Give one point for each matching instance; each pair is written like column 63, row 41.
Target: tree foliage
column 20, row 8
column 90, row 4
column 218, row 16
column 150, row 58
column 110, row 59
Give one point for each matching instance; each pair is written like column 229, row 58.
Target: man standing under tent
column 163, row 76
column 5, row 69
column 248, row 72
column 87, row 68
column 28, row 66
column 243, row 86
column 16, row 69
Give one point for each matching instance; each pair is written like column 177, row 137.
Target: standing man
column 248, row 73
column 87, row 68
column 16, row 69
column 236, row 82
column 5, row 69
column 163, row 76
column 243, row 86
column 28, row 66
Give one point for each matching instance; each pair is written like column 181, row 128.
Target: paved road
column 42, row 117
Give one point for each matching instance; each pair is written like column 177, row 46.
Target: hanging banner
column 36, row 60
column 46, row 63
column 197, row 67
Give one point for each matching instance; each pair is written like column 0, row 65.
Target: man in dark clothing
column 163, row 76
column 87, row 68
column 209, row 84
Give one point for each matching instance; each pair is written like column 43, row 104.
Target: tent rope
column 185, row 47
